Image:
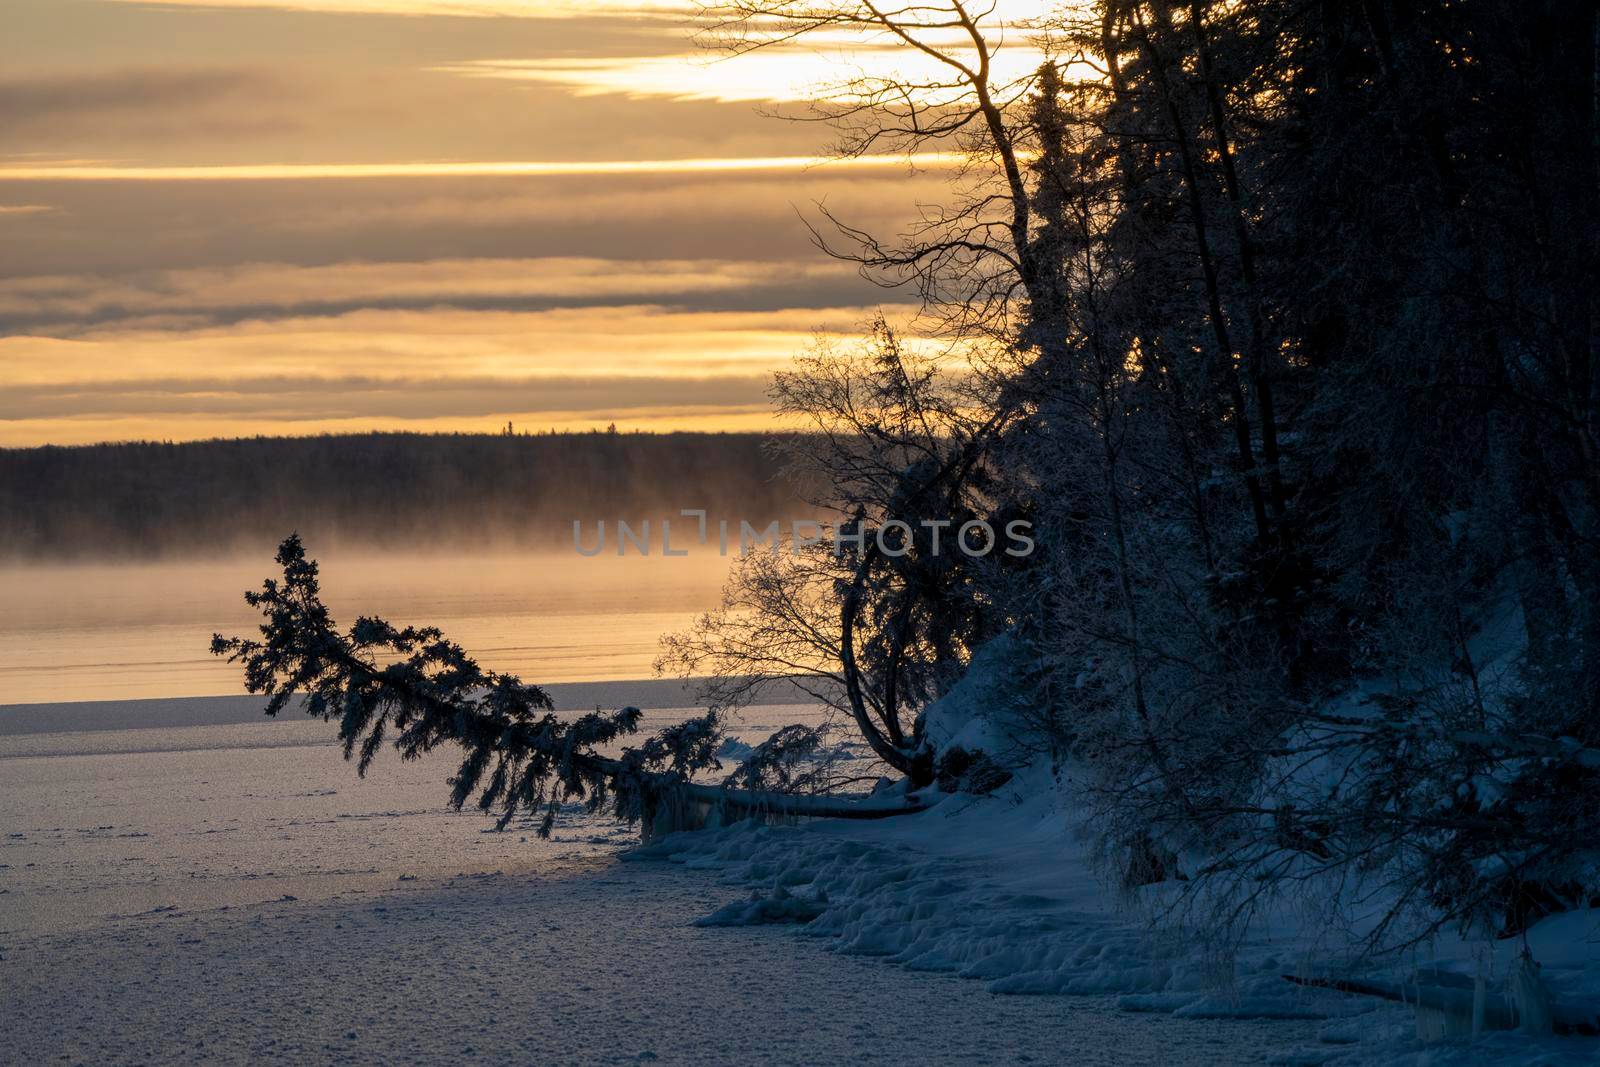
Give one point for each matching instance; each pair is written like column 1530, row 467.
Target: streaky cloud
column 525, row 9
column 483, row 168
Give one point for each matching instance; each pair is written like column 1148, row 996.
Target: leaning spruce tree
column 422, row 690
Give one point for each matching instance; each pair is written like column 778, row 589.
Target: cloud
column 298, row 218
column 190, row 300
column 163, row 86
column 438, row 369
column 197, row 407
column 790, row 74
column 119, row 231
column 317, row 398
column 46, row 101
column 469, row 169
column 529, row 9
column 615, row 340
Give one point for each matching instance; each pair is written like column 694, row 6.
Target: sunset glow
column 775, row 75
column 556, row 214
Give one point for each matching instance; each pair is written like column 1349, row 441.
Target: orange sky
column 292, row 216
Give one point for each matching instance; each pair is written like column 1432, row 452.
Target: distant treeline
column 381, row 490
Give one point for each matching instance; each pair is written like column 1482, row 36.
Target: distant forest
column 149, row 500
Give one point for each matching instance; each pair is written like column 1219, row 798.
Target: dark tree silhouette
column 419, row 689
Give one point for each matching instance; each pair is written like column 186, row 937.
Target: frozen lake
column 102, row 824
column 233, row 893
column 595, row 965
column 181, row 878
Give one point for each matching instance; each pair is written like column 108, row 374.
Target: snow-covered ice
column 1002, row 889
column 234, row 892
column 591, row 966
column 992, row 890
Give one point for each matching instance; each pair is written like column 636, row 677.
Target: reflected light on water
column 112, row 632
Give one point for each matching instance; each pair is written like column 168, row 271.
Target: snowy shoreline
column 233, row 893
column 598, row 966
column 236, row 864
column 992, row 889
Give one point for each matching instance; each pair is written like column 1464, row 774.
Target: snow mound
column 1001, row 890
column 975, row 713
column 734, row 750
column 780, row 906
column 988, row 889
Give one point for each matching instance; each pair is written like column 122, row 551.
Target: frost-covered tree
column 1352, row 424
column 1291, row 349
column 886, row 608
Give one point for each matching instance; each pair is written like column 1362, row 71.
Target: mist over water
column 116, row 631
column 118, row 562
column 502, row 494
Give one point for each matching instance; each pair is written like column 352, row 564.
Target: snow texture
column 990, row 889
column 1002, row 889
column 233, row 894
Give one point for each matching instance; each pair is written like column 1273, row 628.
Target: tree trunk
column 1258, row 354
column 691, row 806
column 1208, row 267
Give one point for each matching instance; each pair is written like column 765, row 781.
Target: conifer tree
column 422, row 690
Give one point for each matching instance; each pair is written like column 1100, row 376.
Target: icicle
column 1532, row 1000
column 1480, row 994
